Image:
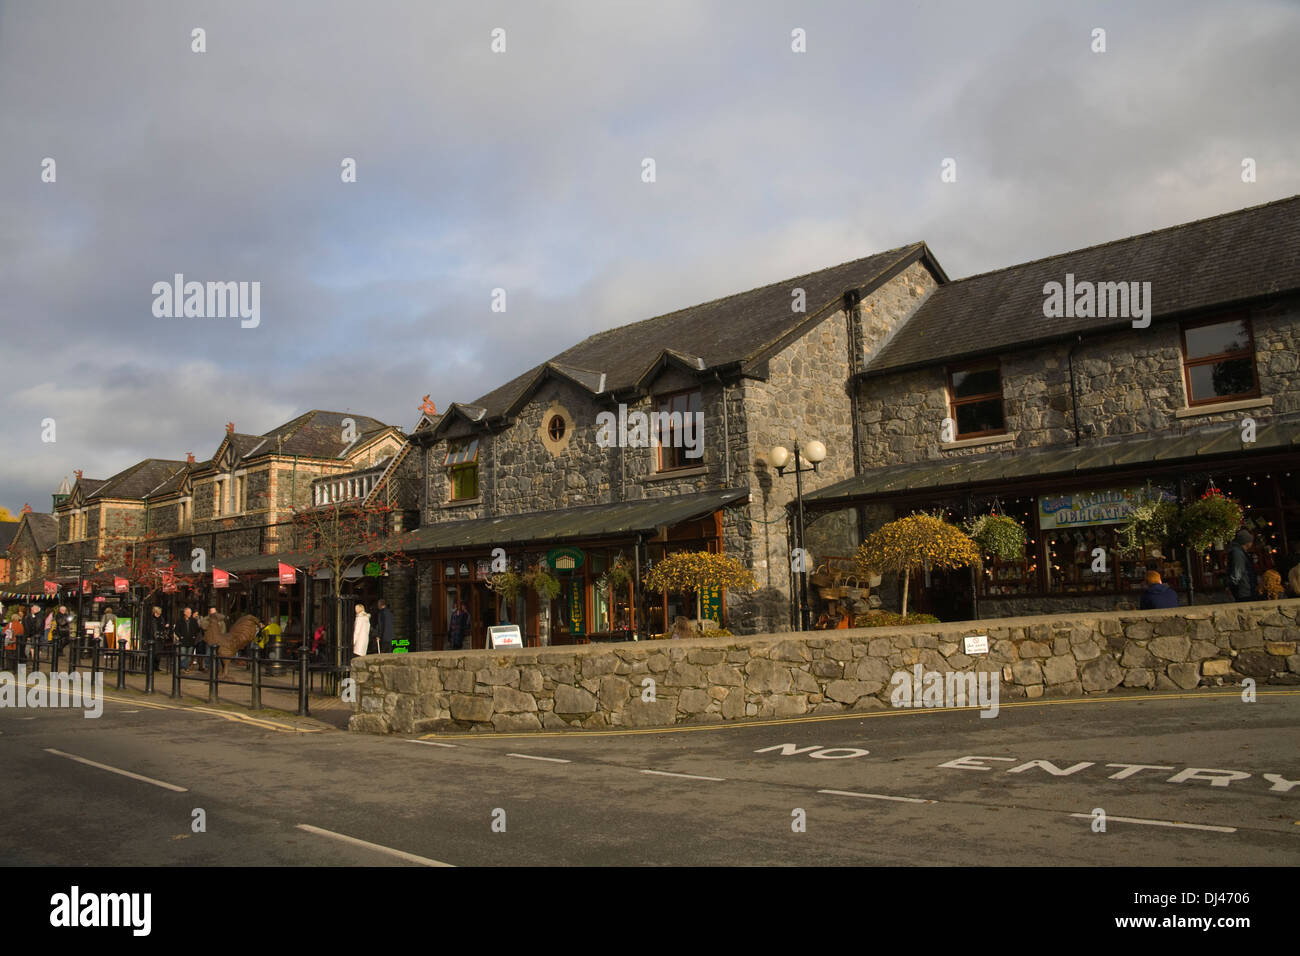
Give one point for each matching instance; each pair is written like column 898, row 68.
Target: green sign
column 374, row 569
column 564, row 559
column 711, row 604
column 402, row 647
column 577, row 609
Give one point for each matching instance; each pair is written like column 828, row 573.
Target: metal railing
column 301, row 676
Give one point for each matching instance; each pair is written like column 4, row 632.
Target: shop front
column 1073, row 507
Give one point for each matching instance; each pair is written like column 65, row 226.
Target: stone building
column 562, row 464
column 31, row 554
column 983, row 401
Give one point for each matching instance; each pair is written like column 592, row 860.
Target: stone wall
column 823, row 672
column 1128, row 383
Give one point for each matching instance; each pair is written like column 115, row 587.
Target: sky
column 522, row 170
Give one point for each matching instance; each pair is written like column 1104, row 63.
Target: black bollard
column 121, row 665
column 213, row 664
column 176, row 672
column 148, row 668
column 303, row 675
column 255, row 670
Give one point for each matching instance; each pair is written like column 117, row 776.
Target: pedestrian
column 214, row 628
column 187, row 635
column 63, row 624
column 361, row 632
column 108, row 627
column 383, row 626
column 156, row 635
column 1241, row 570
column 1158, row 594
column 458, row 627
column 34, row 630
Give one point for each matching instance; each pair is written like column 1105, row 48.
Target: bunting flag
column 51, row 587
column 220, row 579
column 288, row 575
column 120, row 585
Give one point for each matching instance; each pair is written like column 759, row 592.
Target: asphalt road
column 892, row 788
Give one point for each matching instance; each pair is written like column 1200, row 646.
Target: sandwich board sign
column 505, row 635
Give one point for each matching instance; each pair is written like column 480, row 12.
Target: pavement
column 1194, row 779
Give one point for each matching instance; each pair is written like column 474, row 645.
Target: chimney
column 189, row 458
column 230, row 428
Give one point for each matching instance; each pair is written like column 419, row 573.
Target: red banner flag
column 287, row 574
column 220, row 579
column 51, row 587
column 120, row 585
column 168, row 582
column 85, row 585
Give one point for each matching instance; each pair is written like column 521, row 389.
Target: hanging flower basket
column 998, row 535
column 1215, row 517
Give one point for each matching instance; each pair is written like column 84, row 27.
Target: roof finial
column 428, row 407
column 230, row 428
column 189, row 458
column 27, row 509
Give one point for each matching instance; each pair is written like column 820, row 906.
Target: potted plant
column 1151, row 524
column 617, row 575
column 506, row 583
column 999, row 535
column 1214, row 517
column 546, row 584
column 913, row 543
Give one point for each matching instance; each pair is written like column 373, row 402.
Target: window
column 218, row 497
column 1219, row 361
column 976, row 395
column 462, row 468
column 555, row 427
column 240, row 503
column 677, row 429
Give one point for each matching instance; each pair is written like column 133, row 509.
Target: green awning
column 1207, row 446
column 617, row 520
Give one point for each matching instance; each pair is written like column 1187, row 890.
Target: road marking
column 379, row 848
column 431, row 743
column 130, row 711
column 688, row 776
column 1161, row 823
column 1230, row 696
column 531, row 757
column 124, row 773
column 877, row 796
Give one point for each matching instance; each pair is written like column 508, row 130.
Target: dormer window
column 462, row 468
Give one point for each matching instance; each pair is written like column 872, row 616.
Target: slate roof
column 1214, row 443
column 7, row 531
column 740, row 329
column 1228, row 258
column 44, row 528
column 138, row 480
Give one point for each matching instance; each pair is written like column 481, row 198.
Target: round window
column 555, row 427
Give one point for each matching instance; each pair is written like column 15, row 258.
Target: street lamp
column 814, row 452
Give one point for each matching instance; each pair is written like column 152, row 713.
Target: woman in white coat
column 361, row 632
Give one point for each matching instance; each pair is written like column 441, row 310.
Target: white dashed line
column 876, row 796
column 687, row 776
column 377, row 847
column 429, row 743
column 1160, row 823
column 124, row 773
column 531, row 757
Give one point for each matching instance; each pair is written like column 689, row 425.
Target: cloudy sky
column 522, row 170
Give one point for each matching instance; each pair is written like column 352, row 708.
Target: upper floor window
column 679, row 430
column 462, row 468
column 218, row 498
column 975, row 394
column 1219, row 361
column 240, row 503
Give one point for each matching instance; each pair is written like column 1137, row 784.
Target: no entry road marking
column 1161, row 823
column 687, row 776
column 531, row 757
column 377, row 847
column 876, row 796
column 124, row 773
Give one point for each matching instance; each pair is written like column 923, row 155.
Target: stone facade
column 713, row 680
column 1128, row 383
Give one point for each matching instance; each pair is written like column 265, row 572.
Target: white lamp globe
column 778, row 456
column 815, row 451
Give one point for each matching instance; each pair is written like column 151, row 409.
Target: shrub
column 915, row 542
column 891, row 619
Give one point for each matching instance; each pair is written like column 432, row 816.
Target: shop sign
column 402, row 646
column 482, row 570
column 51, row 587
column 564, row 559
column 120, row 585
column 505, row 635
column 1083, row 508
column 577, row 610
column 220, row 579
column 711, row 604
column 976, row 644
column 288, row 573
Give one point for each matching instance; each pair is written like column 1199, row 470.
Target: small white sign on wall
column 979, row 644
column 505, row 635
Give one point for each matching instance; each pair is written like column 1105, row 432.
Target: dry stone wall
column 710, row 680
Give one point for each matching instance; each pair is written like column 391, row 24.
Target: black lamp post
column 814, row 452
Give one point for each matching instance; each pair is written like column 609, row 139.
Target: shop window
column 1219, row 361
column 975, row 395
column 675, row 434
column 462, row 469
